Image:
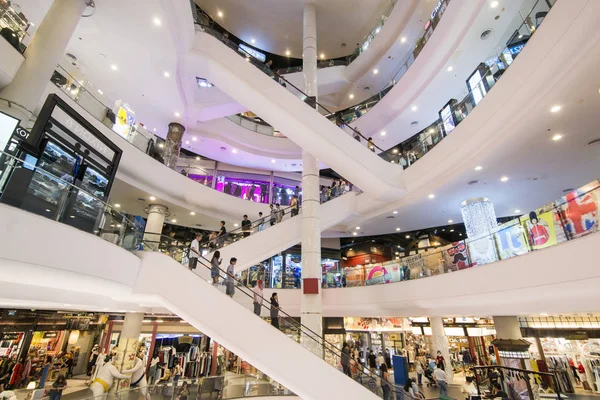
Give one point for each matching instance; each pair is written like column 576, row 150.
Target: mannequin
column 105, row 378
column 138, row 375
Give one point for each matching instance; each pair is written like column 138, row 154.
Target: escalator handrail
column 210, row 30
column 319, row 339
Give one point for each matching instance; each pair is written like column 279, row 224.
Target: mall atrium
column 314, row 199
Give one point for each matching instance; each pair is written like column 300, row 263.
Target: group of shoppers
column 337, row 188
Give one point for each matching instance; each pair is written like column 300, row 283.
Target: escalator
column 283, row 105
column 283, row 354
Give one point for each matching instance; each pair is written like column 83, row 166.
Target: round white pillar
column 309, row 49
column 439, row 342
column 154, row 225
column 42, row 56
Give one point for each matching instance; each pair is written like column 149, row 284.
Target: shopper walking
column 261, row 222
column 439, row 360
column 214, row 267
column 273, row 216
column 280, row 212
column 294, row 205
column 333, row 189
column 229, row 279
column 346, row 359
column 195, row 251
column 420, row 372
column 371, row 144
column 274, row 310
column 323, row 194
column 442, row 381
column 258, row 297
column 246, row 226
column 58, row 386
column 372, row 361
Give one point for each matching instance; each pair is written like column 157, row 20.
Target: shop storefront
column 568, row 347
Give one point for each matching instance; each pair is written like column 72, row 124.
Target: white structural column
column 154, row 224
column 439, row 342
column 43, row 54
column 128, row 343
column 311, row 302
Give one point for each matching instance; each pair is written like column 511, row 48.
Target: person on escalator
column 229, row 279
column 371, row 144
column 279, row 214
column 273, row 216
column 372, row 361
column 214, row 267
column 346, row 360
column 221, row 235
column 195, row 251
column 261, row 222
column 258, row 296
column 294, row 205
column 274, row 310
column 246, row 226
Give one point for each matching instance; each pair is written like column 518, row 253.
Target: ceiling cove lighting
column 192, row 213
column 555, row 109
column 152, row 198
column 395, row 212
column 358, row 228
column 397, row 229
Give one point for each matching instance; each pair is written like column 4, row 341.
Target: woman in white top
column 469, row 388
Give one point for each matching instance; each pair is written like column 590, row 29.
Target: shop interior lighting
column 354, row 233
column 192, row 213
column 382, row 133
column 234, row 151
column 236, row 225
column 117, row 205
column 395, row 212
column 173, row 220
column 203, row 83
column 407, row 236
column 395, row 151
column 160, row 145
column 351, row 96
column 322, row 56
column 100, row 91
column 273, row 161
column 358, row 228
column 450, row 221
column 152, row 198
column 194, row 138
column 252, row 41
column 287, row 53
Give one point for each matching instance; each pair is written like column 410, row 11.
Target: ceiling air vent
column 414, row 123
column 140, row 199
column 72, row 59
column 391, row 217
column 569, row 190
column 367, row 88
column 473, row 183
column 593, row 142
column 486, row 34
column 223, row 148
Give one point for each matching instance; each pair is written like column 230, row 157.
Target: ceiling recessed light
column 273, row 161
column 114, row 67
column 152, row 198
column 478, row 168
column 177, row 114
column 117, row 205
column 72, row 216
column 47, row 210
column 100, row 91
column 449, row 69
column 556, row 137
column 197, row 158
column 173, row 220
column 252, row 41
column 382, row 133
column 322, row 55
column 287, row 53
column 450, row 221
column 234, row 151
column 555, row 109
column 220, row 14
column 160, row 145
column 414, row 108
column 351, row 96
column 504, row 178
column 354, row 233
column 431, row 196
column 357, row 228
column 494, row 4
column 167, row 74
column 187, row 142
column 157, row 21
column 248, row 59
column 403, row 39
column 520, row 36
column 395, row 151
column 395, row 212
column 194, row 138
column 192, row 213
column 451, row 230
column 154, row 129
column 517, row 211
column 407, row 236
column 375, row 71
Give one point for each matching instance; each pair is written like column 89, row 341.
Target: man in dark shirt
column 222, row 234
column 246, row 226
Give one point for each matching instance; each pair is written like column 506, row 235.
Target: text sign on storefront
column 50, row 335
column 579, row 335
column 9, row 336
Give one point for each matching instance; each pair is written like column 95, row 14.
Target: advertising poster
column 579, row 210
column 455, row 257
column 372, row 324
column 511, row 241
column 378, row 274
column 355, row 276
column 433, row 263
column 482, row 251
column 540, row 229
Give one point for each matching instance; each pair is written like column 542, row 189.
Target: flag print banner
column 511, row 241
column 579, row 211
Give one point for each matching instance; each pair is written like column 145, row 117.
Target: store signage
column 80, row 324
column 437, row 9
column 88, row 137
column 185, row 340
column 21, row 133
column 10, row 336
column 50, row 335
column 578, row 335
column 254, row 53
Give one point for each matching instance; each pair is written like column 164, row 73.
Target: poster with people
column 540, row 229
column 578, row 210
column 455, row 257
column 511, row 240
column 372, row 324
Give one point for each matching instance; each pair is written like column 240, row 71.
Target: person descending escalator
column 275, row 310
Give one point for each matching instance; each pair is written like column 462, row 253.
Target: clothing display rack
column 560, row 366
